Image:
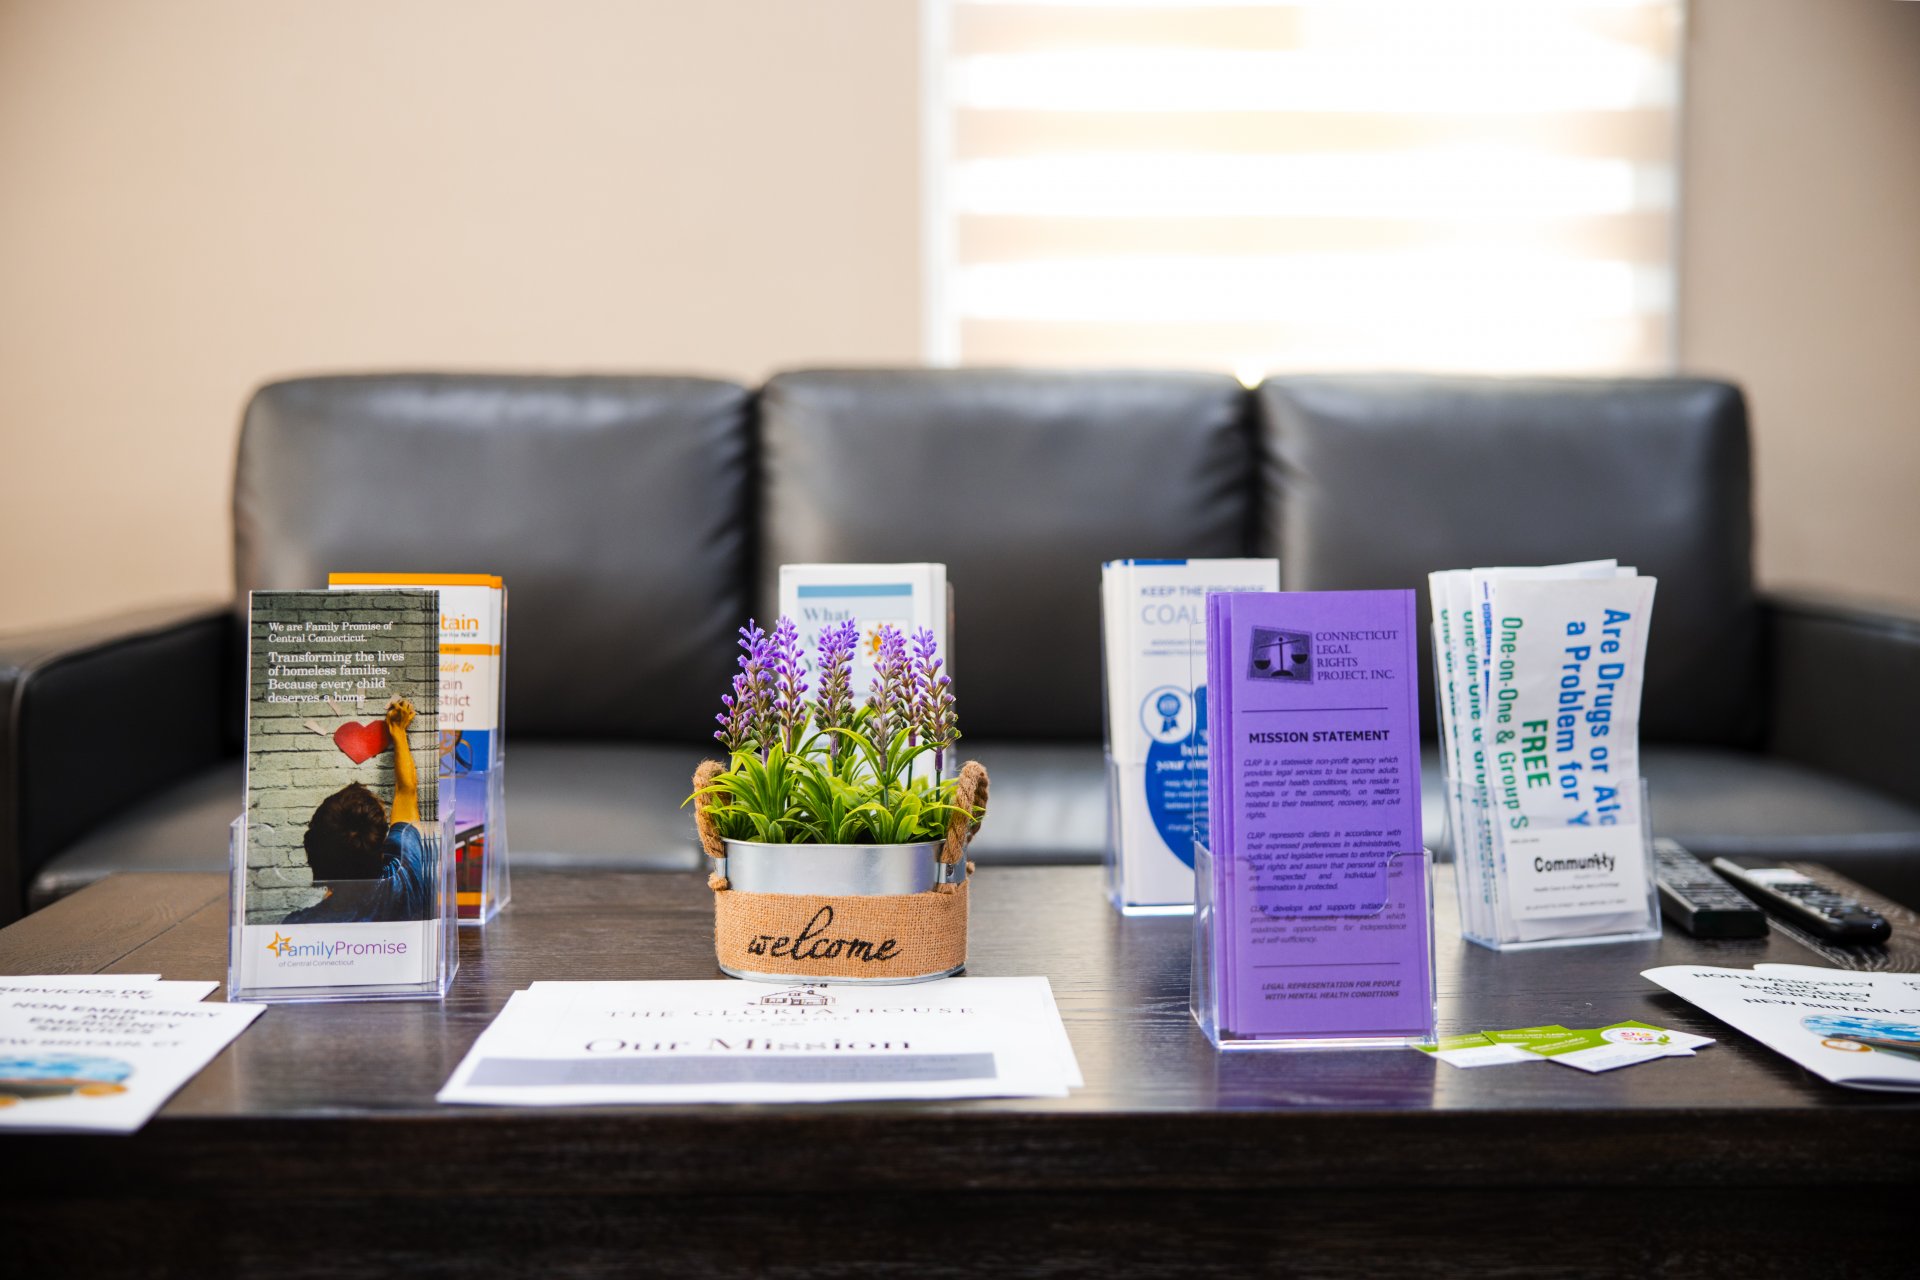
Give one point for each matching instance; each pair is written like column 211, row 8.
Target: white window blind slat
column 1439, row 184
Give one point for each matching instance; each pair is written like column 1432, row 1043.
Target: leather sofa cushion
column 617, row 806
column 1021, row 483
column 617, row 510
column 1047, row 803
column 182, row 828
column 1377, row 481
column 606, row 805
column 610, row 805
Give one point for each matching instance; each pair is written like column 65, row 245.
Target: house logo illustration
column 1281, row 655
column 280, row 946
column 796, row 998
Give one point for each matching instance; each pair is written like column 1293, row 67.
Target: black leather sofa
column 639, row 520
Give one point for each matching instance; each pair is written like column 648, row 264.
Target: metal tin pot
column 864, row 870
column 839, row 871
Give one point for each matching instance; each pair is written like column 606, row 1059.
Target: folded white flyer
column 1464, row 646
column 1887, row 985
column 105, row 1059
column 1861, row 1030
column 1564, row 764
column 1460, row 748
column 583, row 1043
column 1540, row 671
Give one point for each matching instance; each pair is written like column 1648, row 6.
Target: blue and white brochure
column 1154, row 628
column 907, row 596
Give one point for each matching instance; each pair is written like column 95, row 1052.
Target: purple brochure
column 1322, row 927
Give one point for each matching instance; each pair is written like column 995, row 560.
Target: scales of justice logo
column 1281, row 655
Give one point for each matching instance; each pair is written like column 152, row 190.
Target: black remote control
column 1699, row 901
column 1801, row 900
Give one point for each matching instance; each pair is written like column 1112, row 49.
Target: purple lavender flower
column 834, row 707
column 931, row 713
column 940, row 725
column 891, row 687
column 754, row 687
column 923, row 670
column 736, row 726
column 783, row 657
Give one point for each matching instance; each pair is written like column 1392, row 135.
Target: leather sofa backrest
column 1376, row 481
column 1021, row 483
column 617, row 509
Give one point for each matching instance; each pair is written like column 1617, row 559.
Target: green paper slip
column 1575, row 1041
column 1473, row 1049
column 1465, row 1040
column 1527, row 1037
column 1594, row 1049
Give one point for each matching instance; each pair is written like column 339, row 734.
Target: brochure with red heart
column 339, row 879
column 362, row 742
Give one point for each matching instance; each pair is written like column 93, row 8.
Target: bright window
column 1483, row 185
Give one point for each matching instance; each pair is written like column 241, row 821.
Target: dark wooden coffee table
column 313, row 1146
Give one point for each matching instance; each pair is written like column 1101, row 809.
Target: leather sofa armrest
column 96, row 717
column 1843, row 689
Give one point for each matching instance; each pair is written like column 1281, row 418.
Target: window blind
column 1484, row 185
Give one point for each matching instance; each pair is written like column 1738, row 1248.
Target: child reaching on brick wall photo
column 373, row 863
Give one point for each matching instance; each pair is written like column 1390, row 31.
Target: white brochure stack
column 1153, row 628
column 1538, row 676
column 908, row 597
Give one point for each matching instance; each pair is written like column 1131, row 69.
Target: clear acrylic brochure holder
column 482, row 885
column 293, row 963
column 1305, row 896
column 1482, row 875
column 472, row 760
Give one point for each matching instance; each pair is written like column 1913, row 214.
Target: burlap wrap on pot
column 808, row 936
column 839, row 936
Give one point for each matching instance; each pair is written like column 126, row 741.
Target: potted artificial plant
column 837, row 831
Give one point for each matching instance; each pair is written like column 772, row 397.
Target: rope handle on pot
column 970, row 797
column 710, row 841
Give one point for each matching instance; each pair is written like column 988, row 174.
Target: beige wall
column 201, row 194
column 198, row 195
column 1800, row 273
